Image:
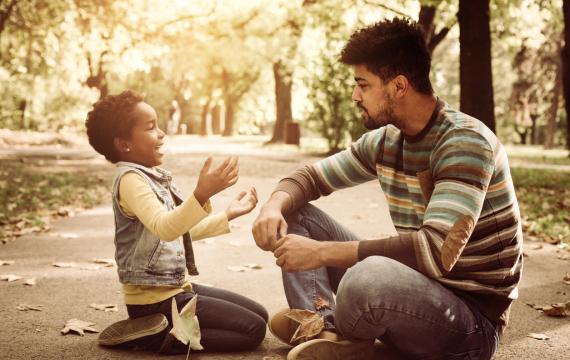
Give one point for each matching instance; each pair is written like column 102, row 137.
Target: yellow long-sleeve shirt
column 137, row 199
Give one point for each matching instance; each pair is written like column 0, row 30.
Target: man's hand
column 298, row 253
column 242, row 204
column 212, row 181
column 270, row 222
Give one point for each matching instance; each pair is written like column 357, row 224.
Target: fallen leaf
column 26, row 307
column 238, row 268
column 6, row 262
column 105, row 262
column 90, row 267
column 557, row 310
column 105, row 307
column 30, row 282
column 65, row 264
column 567, row 277
column 10, row 277
column 564, row 257
column 321, row 303
column 185, row 326
column 310, row 324
column 253, row 266
column 69, row 235
column 79, row 327
column 538, row 336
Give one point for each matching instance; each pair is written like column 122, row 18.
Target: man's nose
column 356, row 95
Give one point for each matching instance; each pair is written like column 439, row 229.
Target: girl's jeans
column 228, row 321
column 380, row 298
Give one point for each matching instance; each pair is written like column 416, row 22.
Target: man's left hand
column 298, row 253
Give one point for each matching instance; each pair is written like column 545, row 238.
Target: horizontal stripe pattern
column 471, row 177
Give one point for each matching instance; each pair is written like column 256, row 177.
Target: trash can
column 292, row 133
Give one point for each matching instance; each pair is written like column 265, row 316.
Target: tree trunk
column 22, row 108
column 229, row 119
column 553, row 112
column 534, row 130
column 475, row 71
column 566, row 68
column 283, row 83
column 216, row 128
column 204, row 118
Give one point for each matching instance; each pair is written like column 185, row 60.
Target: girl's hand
column 212, row 181
column 242, row 204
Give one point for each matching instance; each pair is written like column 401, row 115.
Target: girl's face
column 144, row 145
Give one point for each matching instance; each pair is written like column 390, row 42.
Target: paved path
column 66, row 293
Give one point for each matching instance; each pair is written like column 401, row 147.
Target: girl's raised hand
column 213, row 180
column 242, row 204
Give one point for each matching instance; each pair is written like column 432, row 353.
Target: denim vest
column 142, row 258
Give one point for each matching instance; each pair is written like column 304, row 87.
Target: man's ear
column 121, row 145
column 401, row 86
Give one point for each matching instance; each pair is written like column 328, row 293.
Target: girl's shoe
column 127, row 331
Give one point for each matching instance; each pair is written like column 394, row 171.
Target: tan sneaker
column 325, row 349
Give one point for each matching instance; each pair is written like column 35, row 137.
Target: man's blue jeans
column 380, row 298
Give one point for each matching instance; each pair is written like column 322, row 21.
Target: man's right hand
column 270, row 224
column 212, row 181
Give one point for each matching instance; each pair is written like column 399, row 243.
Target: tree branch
column 395, row 11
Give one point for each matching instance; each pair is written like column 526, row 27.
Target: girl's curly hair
column 111, row 117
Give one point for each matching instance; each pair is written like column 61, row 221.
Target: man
column 441, row 288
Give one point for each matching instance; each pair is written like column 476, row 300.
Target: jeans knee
column 362, row 284
column 257, row 333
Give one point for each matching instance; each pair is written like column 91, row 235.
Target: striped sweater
column 451, row 198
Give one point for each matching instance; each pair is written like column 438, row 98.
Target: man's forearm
column 341, row 254
column 279, row 200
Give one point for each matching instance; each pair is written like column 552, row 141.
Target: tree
column 566, row 68
column 475, row 61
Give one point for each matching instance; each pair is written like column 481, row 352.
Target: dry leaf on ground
column 564, row 256
column 69, row 235
column 105, row 262
column 30, row 282
column 26, row 307
column 238, row 268
column 253, row 266
column 6, row 262
column 105, row 307
column 79, row 327
column 90, row 267
column 538, row 336
column 65, row 264
column 567, row 279
column 556, row 310
column 10, row 277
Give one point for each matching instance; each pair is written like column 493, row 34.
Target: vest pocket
column 154, row 255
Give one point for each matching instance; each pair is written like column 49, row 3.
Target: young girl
column 154, row 230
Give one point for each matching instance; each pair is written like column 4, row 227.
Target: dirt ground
column 65, row 293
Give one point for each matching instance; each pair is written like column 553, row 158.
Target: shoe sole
column 132, row 329
column 322, row 349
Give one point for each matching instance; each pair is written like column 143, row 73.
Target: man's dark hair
column 111, row 117
column 390, row 48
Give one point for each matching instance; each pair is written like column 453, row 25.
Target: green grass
column 544, row 199
column 30, row 195
column 538, row 155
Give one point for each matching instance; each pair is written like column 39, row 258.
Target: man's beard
column 385, row 116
